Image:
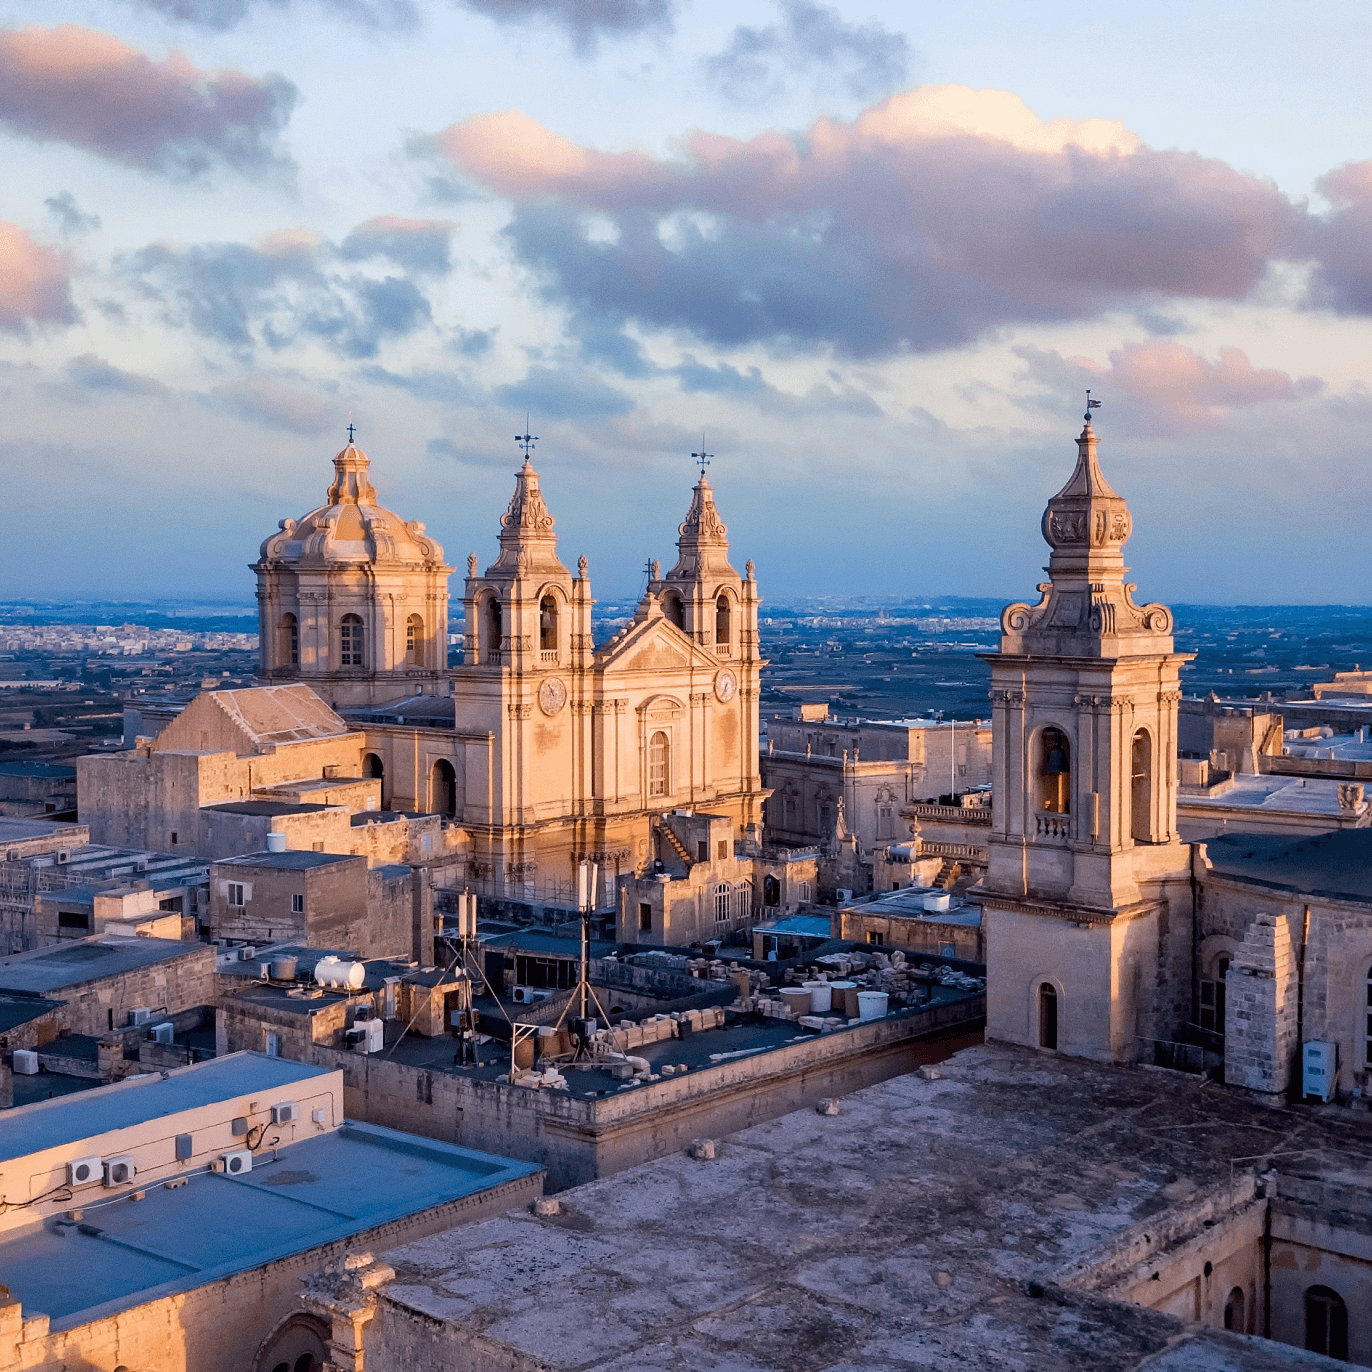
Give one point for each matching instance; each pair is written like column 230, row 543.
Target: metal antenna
column 526, row 440
column 1090, row 405
column 702, row 458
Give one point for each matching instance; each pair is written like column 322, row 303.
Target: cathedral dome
column 351, row 527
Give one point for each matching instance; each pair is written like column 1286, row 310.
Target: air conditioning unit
column 140, row 1015
column 283, row 1112
column 164, row 1032
column 26, row 1062
column 530, row 995
column 64, row 857
column 247, row 954
column 367, row 1037
column 85, row 1172
column 120, row 1171
column 238, row 1162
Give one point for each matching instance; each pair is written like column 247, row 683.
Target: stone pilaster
column 1260, row 1009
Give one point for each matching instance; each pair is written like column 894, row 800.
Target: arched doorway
column 444, row 788
column 1233, row 1311
column 771, row 892
column 298, row 1344
column 1326, row 1323
column 1048, row 1015
column 375, row 769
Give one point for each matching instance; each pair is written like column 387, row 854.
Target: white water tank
column 936, row 902
column 332, row 971
column 276, row 842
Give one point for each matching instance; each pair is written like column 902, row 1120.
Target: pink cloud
column 1174, row 388
column 928, row 220
column 34, row 281
column 89, row 89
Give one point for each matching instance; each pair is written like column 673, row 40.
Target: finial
column 1090, row 405
column 581, row 565
column 655, row 568
column 526, row 440
column 702, row 458
column 471, row 564
column 750, row 568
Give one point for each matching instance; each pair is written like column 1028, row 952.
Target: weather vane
column 702, row 458
column 526, row 440
column 1090, row 405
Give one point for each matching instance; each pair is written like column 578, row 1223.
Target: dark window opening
column 771, row 892
column 547, row 624
column 1326, row 1323
column 722, row 616
column 1055, row 772
column 1048, row 1016
column 645, row 916
column 672, row 608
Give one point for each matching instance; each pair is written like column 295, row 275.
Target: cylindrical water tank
column 821, row 996
column 872, row 1004
column 334, row 972
column 276, row 842
column 283, row 967
column 798, row 999
column 844, row 995
column 937, row 901
column 902, row 852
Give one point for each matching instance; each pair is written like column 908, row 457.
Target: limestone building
column 352, row 599
column 551, row 750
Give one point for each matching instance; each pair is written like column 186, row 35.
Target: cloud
column 472, row 342
column 724, row 379
column 1173, row 388
column 419, row 245
column 68, row 214
column 288, row 287
column 932, row 219
column 278, row 404
column 224, row 14
column 1342, row 242
column 585, row 21
column 756, row 63
column 91, row 373
column 89, row 89
column 34, row 281
column 564, row 393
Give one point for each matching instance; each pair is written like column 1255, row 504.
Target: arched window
column 1141, row 793
column 492, row 629
column 771, row 892
column 289, row 643
column 414, row 640
column 1212, row 999
column 1233, row 1312
column 444, row 788
column 1326, row 1323
column 659, row 765
column 1055, row 772
column 350, row 642
column 722, row 625
column 672, row 608
column 1367, row 1040
column 1048, row 1016
column 547, row 624
column 721, row 902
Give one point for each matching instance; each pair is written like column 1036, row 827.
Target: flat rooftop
column 292, row 860
column 908, row 903
column 126, row 1252
column 17, row 1010
column 50, row 969
column 26, row 830
column 270, row 808
column 50, row 771
column 933, row 1224
column 1298, row 795
column 1337, row 864
column 147, row 1097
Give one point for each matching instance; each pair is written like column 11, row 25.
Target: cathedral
column 544, row 748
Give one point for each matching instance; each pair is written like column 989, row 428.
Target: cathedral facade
column 546, row 749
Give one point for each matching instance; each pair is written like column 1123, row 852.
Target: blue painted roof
column 127, row 1252
column 49, row 1124
column 811, row 926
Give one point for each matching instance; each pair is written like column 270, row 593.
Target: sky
column 871, row 255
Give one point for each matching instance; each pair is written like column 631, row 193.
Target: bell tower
column 1085, row 897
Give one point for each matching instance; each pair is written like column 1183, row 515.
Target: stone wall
column 1261, row 1032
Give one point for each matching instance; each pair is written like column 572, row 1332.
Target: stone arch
column 443, row 788
column 1050, row 753
column 1142, row 770
column 298, row 1336
column 490, row 620
column 288, row 641
column 724, row 619
column 414, row 640
column 1039, row 1031
column 674, row 608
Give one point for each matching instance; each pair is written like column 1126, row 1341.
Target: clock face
column 725, row 685
column 552, row 695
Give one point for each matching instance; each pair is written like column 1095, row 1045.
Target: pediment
column 657, row 646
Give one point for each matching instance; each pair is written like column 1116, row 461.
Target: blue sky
column 875, row 254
